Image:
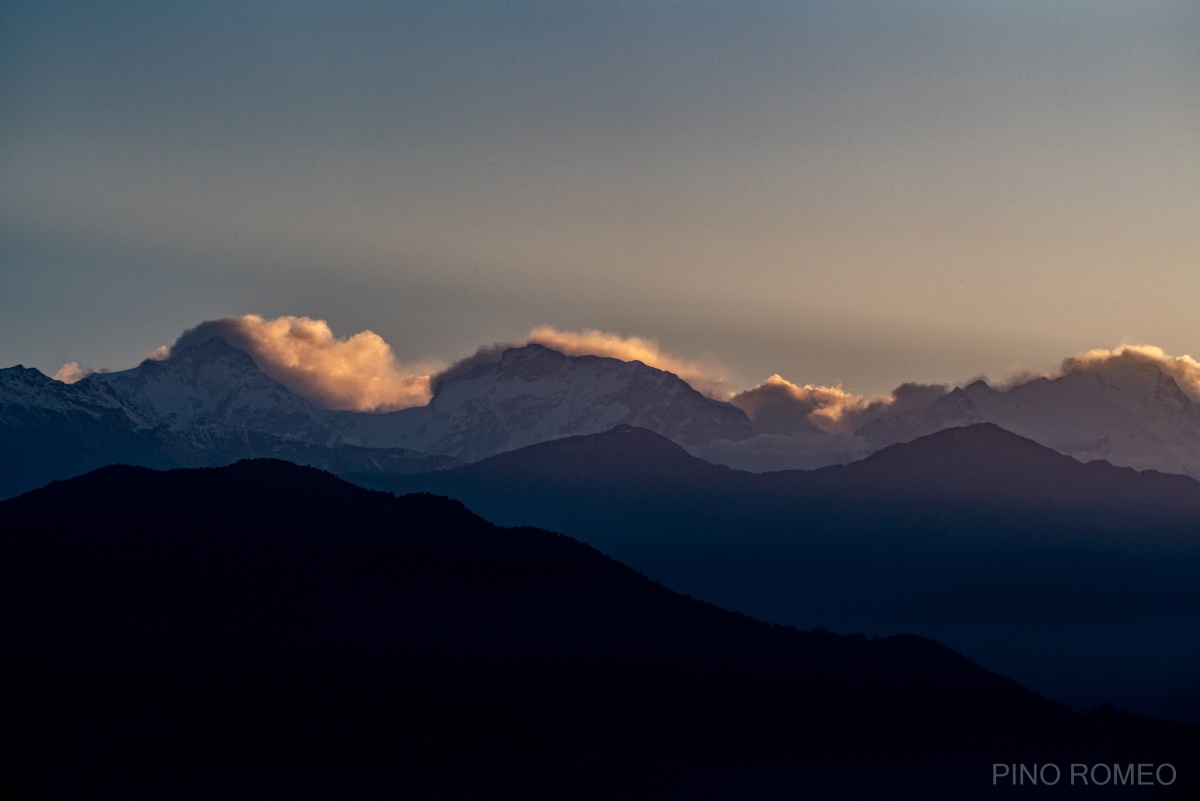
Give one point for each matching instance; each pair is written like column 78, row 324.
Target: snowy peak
column 533, row 394
column 1143, row 381
column 23, row 389
column 1128, row 412
column 27, row 386
column 523, row 396
column 212, row 380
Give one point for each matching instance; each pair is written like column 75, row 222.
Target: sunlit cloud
column 777, row 406
column 159, row 353
column 1183, row 369
column 71, row 372
column 359, row 372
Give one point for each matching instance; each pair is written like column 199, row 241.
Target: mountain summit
column 534, row 394
column 214, row 380
column 208, row 404
column 1129, row 413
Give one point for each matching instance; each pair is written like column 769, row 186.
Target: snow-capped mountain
column 531, row 394
column 1129, row 413
column 205, row 406
column 535, row 394
column 24, row 390
column 208, row 403
column 214, row 381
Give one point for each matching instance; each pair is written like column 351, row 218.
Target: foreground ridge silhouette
column 264, row 627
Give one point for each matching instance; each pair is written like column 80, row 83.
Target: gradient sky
column 863, row 192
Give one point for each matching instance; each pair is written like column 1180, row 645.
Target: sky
column 863, row 193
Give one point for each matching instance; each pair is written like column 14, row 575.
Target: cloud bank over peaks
column 1183, row 369
column 780, row 407
column 705, row 375
column 777, row 406
column 359, row 372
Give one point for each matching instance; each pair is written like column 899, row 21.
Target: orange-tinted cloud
column 71, row 372
column 359, row 372
column 1184, row 369
column 777, row 406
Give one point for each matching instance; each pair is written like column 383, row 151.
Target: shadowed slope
column 268, row 560
column 1076, row 578
column 259, row 629
column 986, row 463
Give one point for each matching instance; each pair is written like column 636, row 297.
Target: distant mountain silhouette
column 261, row 628
column 987, row 463
column 981, row 462
column 1077, row 579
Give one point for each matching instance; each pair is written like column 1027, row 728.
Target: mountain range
column 966, row 515
column 1127, row 412
column 267, row 630
column 208, row 403
column 1076, row 579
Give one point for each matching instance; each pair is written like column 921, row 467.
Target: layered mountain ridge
column 271, row 643
column 1076, row 579
column 1129, row 413
column 208, row 403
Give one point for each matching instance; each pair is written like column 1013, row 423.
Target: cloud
column 359, row 372
column 777, row 406
column 158, row 354
column 71, row 372
column 1184, row 369
column 705, row 375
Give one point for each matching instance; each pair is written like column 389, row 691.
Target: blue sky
column 863, row 192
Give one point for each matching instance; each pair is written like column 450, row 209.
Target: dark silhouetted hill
column 264, row 629
column 987, row 464
column 1078, row 579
